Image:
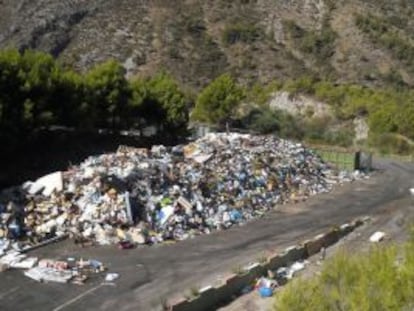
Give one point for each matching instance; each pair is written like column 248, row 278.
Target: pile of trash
column 146, row 196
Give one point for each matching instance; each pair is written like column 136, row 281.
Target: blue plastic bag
column 265, row 292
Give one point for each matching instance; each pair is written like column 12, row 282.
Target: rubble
column 140, row 196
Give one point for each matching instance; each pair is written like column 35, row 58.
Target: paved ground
column 394, row 218
column 151, row 274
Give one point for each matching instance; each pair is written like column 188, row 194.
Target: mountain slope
column 368, row 42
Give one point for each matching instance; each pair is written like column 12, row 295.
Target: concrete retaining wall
column 210, row 297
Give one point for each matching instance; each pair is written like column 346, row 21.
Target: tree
column 12, row 99
column 218, row 101
column 68, row 99
column 159, row 102
column 173, row 101
column 39, row 75
column 107, row 94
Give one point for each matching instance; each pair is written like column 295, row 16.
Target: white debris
column 25, row 264
column 4, row 246
column 110, row 277
column 12, row 257
column 202, row 158
column 45, row 274
column 296, row 267
column 49, row 183
column 377, row 237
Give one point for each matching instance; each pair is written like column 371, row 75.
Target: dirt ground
column 395, row 220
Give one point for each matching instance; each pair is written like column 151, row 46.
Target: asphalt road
column 148, row 275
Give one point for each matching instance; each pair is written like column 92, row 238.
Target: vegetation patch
column 320, row 44
column 36, row 93
column 385, row 32
column 239, row 32
column 383, row 279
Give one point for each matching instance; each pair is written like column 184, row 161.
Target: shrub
column 342, row 137
column 356, row 282
column 240, row 32
column 382, row 32
column 318, row 43
column 392, row 144
column 266, row 122
column 218, row 101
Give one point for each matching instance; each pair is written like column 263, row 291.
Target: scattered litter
column 282, row 273
column 323, row 253
column 61, row 271
column 25, row 263
column 45, row 274
column 266, row 292
column 110, row 277
column 377, row 237
column 287, row 273
column 126, row 244
column 294, row 268
column 246, row 289
column 11, row 258
column 266, row 286
column 4, row 267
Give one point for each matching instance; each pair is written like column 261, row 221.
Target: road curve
column 148, row 275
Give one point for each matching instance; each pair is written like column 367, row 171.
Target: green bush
column 239, row 32
column 383, row 32
column 266, row 121
column 320, row 44
column 320, row 130
column 392, row 144
column 342, row 137
column 356, row 282
column 218, row 101
column 388, row 110
column 260, row 94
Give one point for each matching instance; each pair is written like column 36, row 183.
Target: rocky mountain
column 362, row 41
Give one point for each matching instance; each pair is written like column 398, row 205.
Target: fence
column 343, row 159
column 340, row 160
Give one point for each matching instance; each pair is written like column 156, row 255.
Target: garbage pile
column 141, row 196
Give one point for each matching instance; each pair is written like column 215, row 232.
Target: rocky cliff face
column 197, row 40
